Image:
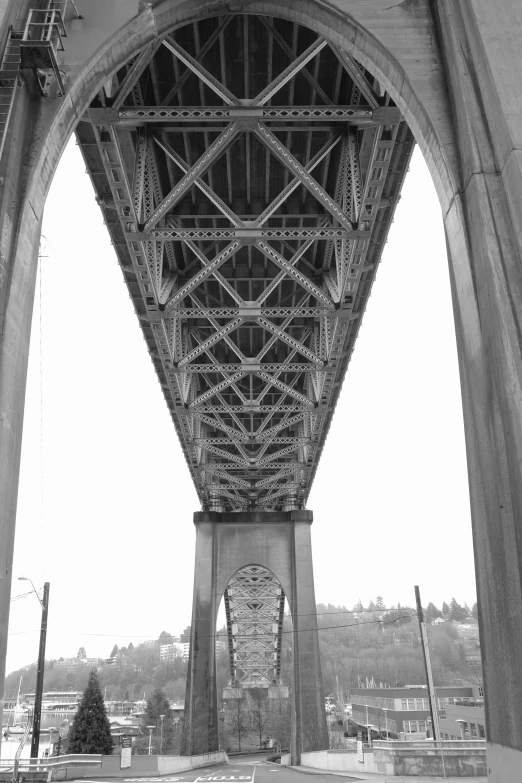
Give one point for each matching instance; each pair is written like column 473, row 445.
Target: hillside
column 355, row 644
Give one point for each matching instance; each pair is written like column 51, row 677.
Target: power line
column 21, row 595
column 216, row 635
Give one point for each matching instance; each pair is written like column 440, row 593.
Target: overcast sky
column 115, row 536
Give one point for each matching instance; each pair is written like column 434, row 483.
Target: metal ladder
column 9, row 76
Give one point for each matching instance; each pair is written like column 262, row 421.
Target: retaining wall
column 148, row 765
column 461, row 759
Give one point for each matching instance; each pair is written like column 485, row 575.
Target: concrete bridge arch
column 453, row 70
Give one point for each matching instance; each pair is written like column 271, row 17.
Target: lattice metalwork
column 254, row 605
column 247, row 170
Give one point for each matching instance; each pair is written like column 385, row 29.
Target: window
column 410, row 726
column 420, row 703
column 482, row 733
column 404, row 704
column 473, row 728
column 411, row 704
column 422, row 725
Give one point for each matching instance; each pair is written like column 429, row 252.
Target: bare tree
column 257, row 698
column 237, row 723
column 279, row 725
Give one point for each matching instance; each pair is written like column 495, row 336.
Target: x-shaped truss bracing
column 254, row 605
column 249, row 220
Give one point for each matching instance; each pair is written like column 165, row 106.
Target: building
column 55, row 697
column 73, row 663
column 169, row 652
column 463, row 722
column 403, row 710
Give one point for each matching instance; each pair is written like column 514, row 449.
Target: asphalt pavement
column 256, row 769
column 241, row 769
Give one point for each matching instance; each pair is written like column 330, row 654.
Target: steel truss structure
column 254, row 605
column 248, row 171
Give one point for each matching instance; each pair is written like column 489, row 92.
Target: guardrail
column 429, row 744
column 8, row 766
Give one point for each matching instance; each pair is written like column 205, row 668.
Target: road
column 242, row 769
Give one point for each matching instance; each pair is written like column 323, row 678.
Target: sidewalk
column 384, row 778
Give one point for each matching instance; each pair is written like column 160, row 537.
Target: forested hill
column 384, row 644
column 356, row 644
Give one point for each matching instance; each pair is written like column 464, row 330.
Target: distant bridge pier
column 280, row 542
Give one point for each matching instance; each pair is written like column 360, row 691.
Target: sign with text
column 126, row 753
column 360, row 752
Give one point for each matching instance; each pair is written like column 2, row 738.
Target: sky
column 106, row 502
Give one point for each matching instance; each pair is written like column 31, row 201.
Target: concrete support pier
column 279, row 541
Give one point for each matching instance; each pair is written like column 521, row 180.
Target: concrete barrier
column 466, row 758
column 150, row 766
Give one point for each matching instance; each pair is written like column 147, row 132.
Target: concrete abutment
column 280, row 542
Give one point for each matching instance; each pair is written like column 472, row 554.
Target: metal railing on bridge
column 11, row 769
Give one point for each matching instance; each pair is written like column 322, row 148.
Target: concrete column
column 480, row 46
column 20, row 225
column 200, row 731
column 225, row 543
column 310, row 730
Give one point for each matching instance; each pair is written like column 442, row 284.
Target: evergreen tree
column 358, row 606
column 81, row 654
column 457, row 612
column 91, row 731
column 445, row 609
column 380, row 603
column 114, row 651
column 371, row 606
column 432, row 612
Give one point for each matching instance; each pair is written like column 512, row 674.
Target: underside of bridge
column 248, row 171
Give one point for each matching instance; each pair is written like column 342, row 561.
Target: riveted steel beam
column 356, row 74
column 210, row 266
column 200, row 71
column 289, row 72
column 133, row 74
column 290, row 161
column 224, row 140
column 170, row 116
column 250, row 367
column 225, row 383
column 291, row 271
column 251, row 233
column 210, row 341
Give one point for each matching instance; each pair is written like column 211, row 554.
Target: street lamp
column 35, row 741
column 368, row 729
column 151, row 729
column 385, row 710
column 161, row 735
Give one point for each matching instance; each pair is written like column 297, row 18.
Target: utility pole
column 427, row 666
column 429, row 678
column 35, row 741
